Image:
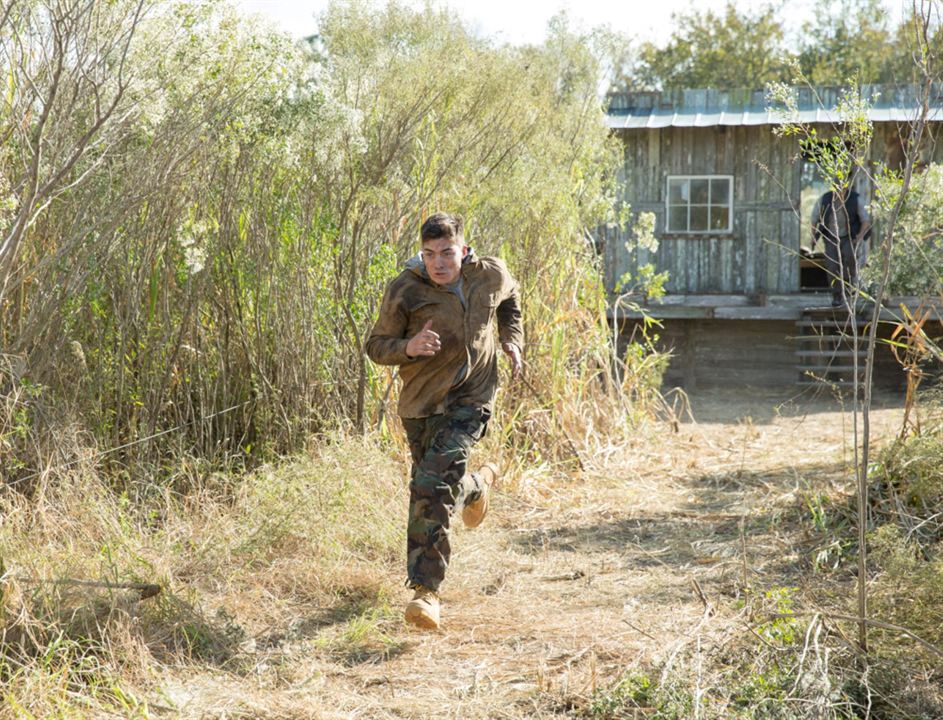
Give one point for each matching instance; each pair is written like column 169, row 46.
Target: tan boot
column 474, row 513
column 423, row 610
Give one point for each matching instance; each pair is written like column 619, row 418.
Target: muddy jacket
column 465, row 370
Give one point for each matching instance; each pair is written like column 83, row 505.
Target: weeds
column 310, row 532
column 783, row 672
column 638, row 696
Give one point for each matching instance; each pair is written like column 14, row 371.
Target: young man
column 437, row 323
column 842, row 221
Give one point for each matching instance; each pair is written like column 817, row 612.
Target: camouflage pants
column 439, row 487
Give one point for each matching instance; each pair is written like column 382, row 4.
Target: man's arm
column 511, row 328
column 387, row 344
column 814, row 221
column 865, row 217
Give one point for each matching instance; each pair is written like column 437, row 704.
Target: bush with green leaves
column 205, row 270
column 917, row 255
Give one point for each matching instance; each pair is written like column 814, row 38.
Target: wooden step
column 829, row 309
column 836, row 323
column 829, row 368
column 830, row 383
column 832, row 353
column 827, row 343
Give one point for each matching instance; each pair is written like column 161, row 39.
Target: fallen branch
column 708, row 607
column 868, row 621
column 147, row 590
column 638, row 629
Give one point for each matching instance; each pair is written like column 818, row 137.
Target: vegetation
column 232, row 562
column 741, row 48
column 918, row 255
column 196, row 245
column 197, row 218
column 907, row 211
column 732, row 49
column 907, row 486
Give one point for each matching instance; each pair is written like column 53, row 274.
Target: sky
column 525, row 21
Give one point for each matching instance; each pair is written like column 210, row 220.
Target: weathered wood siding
column 759, row 256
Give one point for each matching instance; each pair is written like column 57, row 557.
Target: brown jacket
column 465, row 370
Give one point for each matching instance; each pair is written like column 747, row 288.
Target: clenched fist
column 424, row 343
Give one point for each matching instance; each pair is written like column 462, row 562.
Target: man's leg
column 849, row 265
column 834, row 265
column 440, row 485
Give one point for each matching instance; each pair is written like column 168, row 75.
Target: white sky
column 519, row 22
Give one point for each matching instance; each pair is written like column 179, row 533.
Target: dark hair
column 442, row 225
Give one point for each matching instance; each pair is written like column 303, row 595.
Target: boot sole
column 421, row 619
column 472, row 516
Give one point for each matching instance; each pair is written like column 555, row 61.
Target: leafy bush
column 917, row 255
column 201, row 281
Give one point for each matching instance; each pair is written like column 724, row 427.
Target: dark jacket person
column 842, row 221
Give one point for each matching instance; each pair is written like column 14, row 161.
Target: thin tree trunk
column 887, row 246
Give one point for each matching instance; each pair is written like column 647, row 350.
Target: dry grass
column 283, row 594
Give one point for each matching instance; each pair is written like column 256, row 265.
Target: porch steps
column 826, row 349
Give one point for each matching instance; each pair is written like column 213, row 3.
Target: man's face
column 443, row 259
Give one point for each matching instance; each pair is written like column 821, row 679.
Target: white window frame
column 729, row 205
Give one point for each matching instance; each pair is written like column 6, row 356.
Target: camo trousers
column 439, row 487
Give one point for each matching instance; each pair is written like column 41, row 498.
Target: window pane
column 720, row 191
column 677, row 192
column 720, row 218
column 699, row 189
column 698, row 217
column 678, row 219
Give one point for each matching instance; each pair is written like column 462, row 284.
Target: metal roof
column 709, row 108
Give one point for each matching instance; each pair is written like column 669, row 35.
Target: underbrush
column 238, row 563
column 907, row 512
column 775, row 663
column 791, row 653
column 768, row 664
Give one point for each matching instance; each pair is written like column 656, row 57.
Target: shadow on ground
column 714, row 526
column 764, row 406
column 358, row 627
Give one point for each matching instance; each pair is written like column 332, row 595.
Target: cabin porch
column 771, row 341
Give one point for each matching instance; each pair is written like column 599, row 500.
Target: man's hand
column 514, row 355
column 865, row 226
column 424, row 343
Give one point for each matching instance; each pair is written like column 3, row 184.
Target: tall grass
column 203, row 289
column 323, row 532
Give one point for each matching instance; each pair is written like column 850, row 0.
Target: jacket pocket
column 415, row 304
column 420, row 311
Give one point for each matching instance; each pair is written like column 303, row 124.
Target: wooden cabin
column 747, row 298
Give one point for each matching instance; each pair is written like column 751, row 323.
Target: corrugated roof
column 709, row 108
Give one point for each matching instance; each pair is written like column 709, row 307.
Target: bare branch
column 869, row 621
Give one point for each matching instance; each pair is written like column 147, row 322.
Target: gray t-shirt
column 456, row 287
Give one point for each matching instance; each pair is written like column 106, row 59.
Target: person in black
column 842, row 221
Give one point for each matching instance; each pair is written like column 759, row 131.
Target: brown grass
column 283, row 594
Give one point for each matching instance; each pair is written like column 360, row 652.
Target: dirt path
column 567, row 587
